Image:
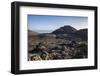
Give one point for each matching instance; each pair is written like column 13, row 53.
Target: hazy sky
column 44, row 23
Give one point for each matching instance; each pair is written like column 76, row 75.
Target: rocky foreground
column 63, row 43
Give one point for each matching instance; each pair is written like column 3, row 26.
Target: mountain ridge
column 64, row 29
column 70, row 32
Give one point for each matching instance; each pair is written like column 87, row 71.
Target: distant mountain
column 70, row 33
column 82, row 33
column 65, row 30
column 32, row 33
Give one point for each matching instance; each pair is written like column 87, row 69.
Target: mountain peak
column 67, row 26
column 65, row 29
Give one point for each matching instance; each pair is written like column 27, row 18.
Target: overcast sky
column 46, row 24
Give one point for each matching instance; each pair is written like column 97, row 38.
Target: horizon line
column 54, row 30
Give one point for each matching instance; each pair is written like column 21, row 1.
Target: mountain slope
column 82, row 33
column 65, row 30
column 70, row 33
column 30, row 33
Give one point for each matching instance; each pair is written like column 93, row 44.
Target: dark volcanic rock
column 65, row 30
column 63, row 43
